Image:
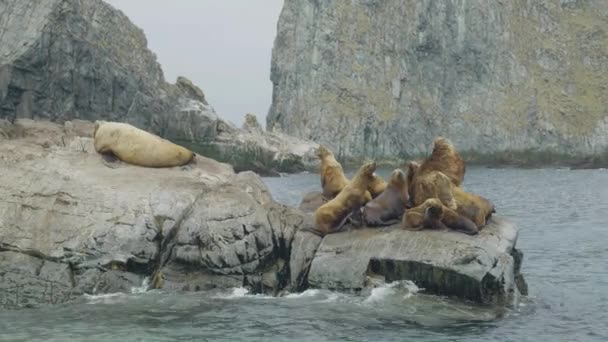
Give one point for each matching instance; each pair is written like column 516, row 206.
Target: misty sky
column 223, row 46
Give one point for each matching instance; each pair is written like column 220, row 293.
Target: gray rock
column 303, row 250
column 480, row 268
column 506, row 81
column 71, row 225
column 312, row 201
column 62, row 60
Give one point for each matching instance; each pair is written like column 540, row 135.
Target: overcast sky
column 223, row 46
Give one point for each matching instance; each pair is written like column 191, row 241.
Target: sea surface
column 562, row 216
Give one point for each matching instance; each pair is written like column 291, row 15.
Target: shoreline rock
column 478, row 268
column 71, row 224
column 62, row 60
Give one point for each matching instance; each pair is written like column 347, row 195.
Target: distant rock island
column 64, row 60
column 520, row 82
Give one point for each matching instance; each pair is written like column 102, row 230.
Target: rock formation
column 520, row 80
column 67, row 59
column 71, row 223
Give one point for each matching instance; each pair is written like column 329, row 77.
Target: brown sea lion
column 331, row 216
column 138, row 147
column 377, row 186
column 437, row 185
column 446, row 159
column 387, row 208
column 333, row 179
column 478, row 209
column 433, row 214
column 433, row 184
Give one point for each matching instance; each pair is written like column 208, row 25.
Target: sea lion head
column 442, row 144
column 398, row 177
column 367, row 170
column 97, row 124
column 412, row 168
column 323, row 152
column 434, row 209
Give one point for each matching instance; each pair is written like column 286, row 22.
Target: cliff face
column 382, row 78
column 73, row 59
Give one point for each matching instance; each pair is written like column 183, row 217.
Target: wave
column 145, row 285
column 396, row 288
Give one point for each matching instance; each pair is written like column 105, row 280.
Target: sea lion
column 437, row 185
column 377, row 186
column 331, row 216
column 477, row 208
column 333, row 179
column 138, row 147
column 433, row 184
column 387, row 208
column 434, row 215
column 446, row 159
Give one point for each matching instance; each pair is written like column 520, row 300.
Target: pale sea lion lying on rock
column 138, row 147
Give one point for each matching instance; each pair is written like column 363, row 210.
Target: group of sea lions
column 427, row 196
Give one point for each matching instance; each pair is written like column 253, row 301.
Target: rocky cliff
column 71, row 59
column 523, row 79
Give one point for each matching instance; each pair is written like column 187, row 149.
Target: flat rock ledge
column 485, row 268
column 72, row 224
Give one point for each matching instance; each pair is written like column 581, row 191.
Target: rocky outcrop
column 480, row 268
column 70, row 223
column 521, row 81
column 68, row 59
column 253, row 148
column 485, row 268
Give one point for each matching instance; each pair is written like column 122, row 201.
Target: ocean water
column 561, row 214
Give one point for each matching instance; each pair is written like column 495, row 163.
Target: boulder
column 312, row 201
column 481, row 268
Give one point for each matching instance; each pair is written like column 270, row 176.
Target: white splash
column 106, row 298
column 145, row 284
column 307, row 293
column 385, row 291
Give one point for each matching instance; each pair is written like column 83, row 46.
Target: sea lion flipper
column 389, row 222
column 342, row 224
column 312, row 230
